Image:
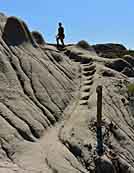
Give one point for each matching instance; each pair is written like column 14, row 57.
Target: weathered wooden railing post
column 99, row 121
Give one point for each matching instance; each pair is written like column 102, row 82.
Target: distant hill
column 111, row 50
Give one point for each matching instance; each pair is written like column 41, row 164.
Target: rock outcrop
column 109, row 47
column 121, row 65
column 38, row 37
column 112, row 51
column 48, row 106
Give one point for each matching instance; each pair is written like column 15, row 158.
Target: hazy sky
column 97, row 21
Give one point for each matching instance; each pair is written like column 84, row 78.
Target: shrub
column 131, row 52
column 83, row 44
column 131, row 89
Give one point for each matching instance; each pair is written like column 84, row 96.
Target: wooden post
column 99, row 121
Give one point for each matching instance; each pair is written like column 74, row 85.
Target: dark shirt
column 60, row 31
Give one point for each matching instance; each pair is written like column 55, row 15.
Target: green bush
column 131, row 52
column 131, row 89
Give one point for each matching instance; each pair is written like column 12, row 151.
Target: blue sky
column 96, row 21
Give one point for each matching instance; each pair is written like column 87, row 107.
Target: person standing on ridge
column 60, row 36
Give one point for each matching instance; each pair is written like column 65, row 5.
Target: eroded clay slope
column 48, row 106
column 35, row 85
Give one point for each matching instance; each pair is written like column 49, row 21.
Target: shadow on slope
column 16, row 32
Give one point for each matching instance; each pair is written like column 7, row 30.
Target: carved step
column 88, row 82
column 84, row 96
column 87, row 78
column 87, row 64
column 85, row 60
column 89, row 68
column 83, row 102
column 88, row 73
column 85, row 88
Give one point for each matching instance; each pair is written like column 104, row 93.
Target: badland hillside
column 48, row 104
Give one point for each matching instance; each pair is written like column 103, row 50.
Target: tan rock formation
column 48, row 106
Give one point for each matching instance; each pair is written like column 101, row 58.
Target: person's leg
column 57, row 40
column 62, row 41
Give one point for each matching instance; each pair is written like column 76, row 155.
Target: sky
column 96, row 21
